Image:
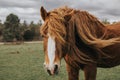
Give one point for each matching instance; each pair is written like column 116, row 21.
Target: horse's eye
column 42, row 36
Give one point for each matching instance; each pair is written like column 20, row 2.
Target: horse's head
column 54, row 37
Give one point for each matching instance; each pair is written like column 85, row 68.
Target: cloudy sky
column 29, row 9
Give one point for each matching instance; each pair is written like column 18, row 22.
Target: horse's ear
column 44, row 13
column 68, row 16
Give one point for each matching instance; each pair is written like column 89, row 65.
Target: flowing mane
column 89, row 29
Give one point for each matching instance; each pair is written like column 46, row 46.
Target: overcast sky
column 29, row 9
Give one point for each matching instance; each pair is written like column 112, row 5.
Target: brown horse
column 81, row 39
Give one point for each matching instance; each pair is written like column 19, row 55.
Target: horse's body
column 113, row 50
column 83, row 41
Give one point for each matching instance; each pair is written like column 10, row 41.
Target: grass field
column 25, row 62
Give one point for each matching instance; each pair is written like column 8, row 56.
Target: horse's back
column 115, row 28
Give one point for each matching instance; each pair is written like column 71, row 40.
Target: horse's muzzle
column 54, row 71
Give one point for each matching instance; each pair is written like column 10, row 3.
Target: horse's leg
column 90, row 71
column 73, row 74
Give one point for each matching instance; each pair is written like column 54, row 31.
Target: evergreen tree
column 11, row 28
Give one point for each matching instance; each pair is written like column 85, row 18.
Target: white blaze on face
column 51, row 51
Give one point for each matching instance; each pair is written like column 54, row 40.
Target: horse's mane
column 90, row 30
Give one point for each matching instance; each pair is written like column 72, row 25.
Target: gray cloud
column 29, row 9
column 16, row 3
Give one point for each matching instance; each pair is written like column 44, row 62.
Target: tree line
column 12, row 30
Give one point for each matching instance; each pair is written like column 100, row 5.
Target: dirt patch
column 17, row 52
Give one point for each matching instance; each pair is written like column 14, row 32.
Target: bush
column 28, row 35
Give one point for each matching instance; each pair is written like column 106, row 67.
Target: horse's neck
column 100, row 31
column 84, row 47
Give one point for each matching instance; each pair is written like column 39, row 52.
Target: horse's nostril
column 49, row 72
column 56, row 69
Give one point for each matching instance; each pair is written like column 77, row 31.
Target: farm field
column 25, row 62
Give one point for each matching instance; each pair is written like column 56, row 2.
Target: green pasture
column 25, row 62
